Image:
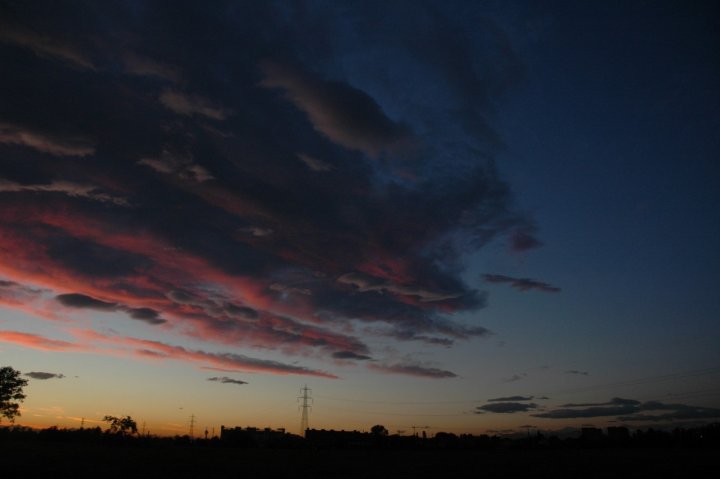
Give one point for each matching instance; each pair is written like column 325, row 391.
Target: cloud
column 410, row 369
column 350, row 355
column 178, row 164
column 346, row 115
column 614, row 407
column 516, row 377
column 676, row 412
column 76, row 300
column 66, row 187
column 612, row 402
column 227, row 380
column 313, row 163
column 512, row 398
column 506, row 407
column 189, row 105
column 575, row 371
column 365, row 283
column 42, row 375
column 588, row 412
column 17, row 135
column 140, row 65
column 45, row 46
column 35, row 341
column 228, row 361
column 521, row 284
column 631, row 410
column 334, row 211
column 15, row 294
column 92, row 341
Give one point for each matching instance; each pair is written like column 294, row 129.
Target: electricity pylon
column 305, row 406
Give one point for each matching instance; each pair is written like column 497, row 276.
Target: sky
column 466, row 216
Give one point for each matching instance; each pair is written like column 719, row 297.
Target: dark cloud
column 17, row 295
column 350, row 355
column 42, row 375
column 631, row 410
column 227, row 380
column 522, row 284
column 588, row 412
column 411, row 369
column 81, row 301
column 147, row 315
column 75, row 300
column 575, row 371
column 346, row 115
column 512, row 398
column 612, row 402
column 269, row 196
column 506, row 407
column 676, row 412
column 516, row 377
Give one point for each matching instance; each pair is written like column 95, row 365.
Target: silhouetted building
column 253, row 436
column 618, row 433
column 591, row 434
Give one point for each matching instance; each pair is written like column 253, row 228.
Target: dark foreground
column 47, row 459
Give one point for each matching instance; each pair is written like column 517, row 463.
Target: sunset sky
column 475, row 216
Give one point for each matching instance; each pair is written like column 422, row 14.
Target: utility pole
column 82, row 423
column 415, row 428
column 305, row 406
column 192, row 425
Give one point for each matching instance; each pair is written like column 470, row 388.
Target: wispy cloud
column 186, row 104
column 631, row 410
column 346, row 115
column 43, row 375
column 45, row 46
column 226, row 380
column 17, row 135
column 95, row 342
column 350, row 355
column 411, row 369
column 521, row 284
column 506, row 407
column 512, row 398
column 178, row 164
column 230, row 361
column 68, row 188
column 81, row 301
column 136, row 64
column 313, row 163
column 35, row 341
column 516, row 377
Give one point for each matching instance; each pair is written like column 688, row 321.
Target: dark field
column 40, row 459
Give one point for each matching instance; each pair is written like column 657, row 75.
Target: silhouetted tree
column 122, row 426
column 379, row 430
column 11, row 392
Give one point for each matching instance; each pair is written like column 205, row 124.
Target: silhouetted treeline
column 707, row 436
